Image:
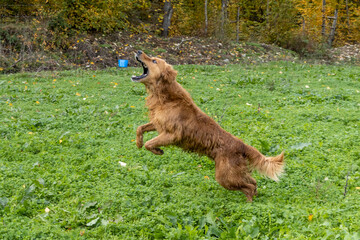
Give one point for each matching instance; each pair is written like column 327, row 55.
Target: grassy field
column 64, row 135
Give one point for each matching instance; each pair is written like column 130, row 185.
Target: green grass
column 62, row 135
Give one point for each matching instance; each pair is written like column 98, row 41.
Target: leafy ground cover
column 66, row 136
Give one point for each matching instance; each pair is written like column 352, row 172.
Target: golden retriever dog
column 174, row 115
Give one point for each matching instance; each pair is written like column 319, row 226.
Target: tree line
column 287, row 23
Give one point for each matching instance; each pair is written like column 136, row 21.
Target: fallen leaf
column 300, row 146
column 93, row 222
column 122, row 164
column 310, row 217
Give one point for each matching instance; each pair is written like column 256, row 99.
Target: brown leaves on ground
column 347, row 53
column 98, row 52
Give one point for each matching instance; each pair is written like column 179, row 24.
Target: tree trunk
column 347, row 16
column 223, row 16
column 323, row 26
column 168, row 11
column 237, row 24
column 333, row 29
column 206, row 17
column 267, row 13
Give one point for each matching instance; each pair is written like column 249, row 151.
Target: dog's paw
column 139, row 142
column 157, row 151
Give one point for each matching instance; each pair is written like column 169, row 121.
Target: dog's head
column 155, row 70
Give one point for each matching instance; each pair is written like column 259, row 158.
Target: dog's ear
column 169, row 74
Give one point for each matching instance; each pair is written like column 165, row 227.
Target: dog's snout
column 139, row 52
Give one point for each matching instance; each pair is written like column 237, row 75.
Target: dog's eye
column 154, row 61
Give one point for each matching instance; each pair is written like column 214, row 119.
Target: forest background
column 39, row 35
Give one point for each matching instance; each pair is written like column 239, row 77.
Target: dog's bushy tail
column 271, row 167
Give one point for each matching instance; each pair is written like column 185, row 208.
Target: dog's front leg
column 163, row 139
column 140, row 131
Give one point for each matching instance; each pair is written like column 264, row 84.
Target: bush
column 305, row 46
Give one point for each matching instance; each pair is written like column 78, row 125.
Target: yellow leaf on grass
column 78, row 94
column 206, row 177
column 358, row 188
column 310, row 217
column 37, row 102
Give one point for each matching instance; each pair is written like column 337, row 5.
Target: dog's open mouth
column 145, row 68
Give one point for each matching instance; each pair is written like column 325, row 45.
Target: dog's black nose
column 139, row 52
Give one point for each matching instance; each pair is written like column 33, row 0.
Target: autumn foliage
column 288, row 23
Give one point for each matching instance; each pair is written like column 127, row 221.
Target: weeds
column 65, row 137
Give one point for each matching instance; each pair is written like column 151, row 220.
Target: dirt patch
column 22, row 51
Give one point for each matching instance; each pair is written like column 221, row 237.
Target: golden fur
column 174, row 115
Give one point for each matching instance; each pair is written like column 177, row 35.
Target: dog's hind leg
column 163, row 139
column 234, row 175
column 140, row 131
